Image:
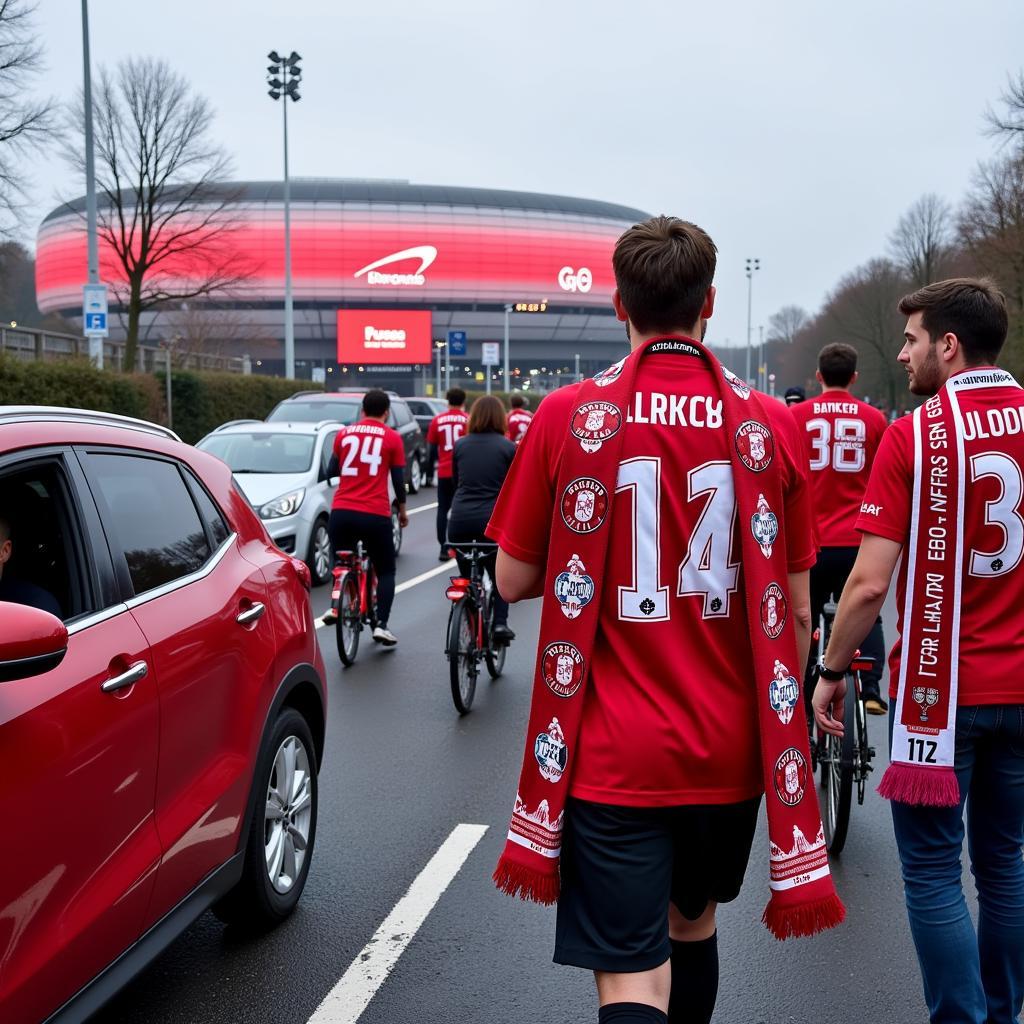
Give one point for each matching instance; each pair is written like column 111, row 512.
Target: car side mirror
column 31, row 641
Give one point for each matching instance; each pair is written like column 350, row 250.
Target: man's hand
column 403, row 518
column 828, row 706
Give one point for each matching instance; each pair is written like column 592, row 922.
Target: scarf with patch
column 803, row 900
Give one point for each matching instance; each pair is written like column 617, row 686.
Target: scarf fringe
column 920, row 787
column 516, row 880
column 804, row 918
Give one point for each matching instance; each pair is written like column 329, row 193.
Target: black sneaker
column 444, row 556
column 874, row 704
column 502, row 635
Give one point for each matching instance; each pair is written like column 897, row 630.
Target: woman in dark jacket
column 479, row 464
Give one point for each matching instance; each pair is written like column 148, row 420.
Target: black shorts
column 347, row 527
column 621, row 866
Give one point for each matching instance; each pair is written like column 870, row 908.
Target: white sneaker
column 383, row 635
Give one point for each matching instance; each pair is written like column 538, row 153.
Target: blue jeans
column 971, row 978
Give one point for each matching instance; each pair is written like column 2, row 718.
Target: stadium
column 382, row 271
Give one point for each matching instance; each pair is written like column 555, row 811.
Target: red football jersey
column 366, row 452
column 991, row 666
column 842, row 435
column 445, row 429
column 670, row 714
column 518, row 424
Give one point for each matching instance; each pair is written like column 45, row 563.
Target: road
column 401, row 771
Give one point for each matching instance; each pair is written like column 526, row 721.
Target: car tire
column 257, row 902
column 415, row 475
column 396, row 531
column 319, row 547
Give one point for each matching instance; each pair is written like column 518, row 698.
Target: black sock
column 630, row 1013
column 694, row 981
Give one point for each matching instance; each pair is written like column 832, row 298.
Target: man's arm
column 800, row 605
column 518, row 580
column 859, row 606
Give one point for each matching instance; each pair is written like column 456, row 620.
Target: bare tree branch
column 921, row 244
column 786, row 324
column 1008, row 124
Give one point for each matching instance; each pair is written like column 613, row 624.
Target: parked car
column 425, row 409
column 166, row 726
column 346, row 407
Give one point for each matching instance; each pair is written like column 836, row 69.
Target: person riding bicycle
column 444, row 430
column 842, row 435
column 364, row 455
column 519, row 418
column 479, row 465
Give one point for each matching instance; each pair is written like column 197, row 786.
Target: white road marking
column 423, row 576
column 345, row 1003
column 420, row 508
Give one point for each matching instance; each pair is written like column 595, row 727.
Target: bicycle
column 469, row 638
column 846, row 759
column 354, row 598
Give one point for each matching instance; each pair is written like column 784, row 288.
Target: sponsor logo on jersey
column 584, row 504
column 790, row 776
column 774, row 609
column 755, row 445
column 740, row 387
column 574, row 588
column 675, row 346
column 551, row 752
column 562, row 667
column 426, row 254
column 610, row 375
column 871, row 510
column 764, row 525
column 594, row 423
column 783, row 693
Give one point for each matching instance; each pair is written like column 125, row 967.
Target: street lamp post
column 762, row 368
column 577, row 378
column 438, row 345
column 752, row 266
column 508, row 309
column 284, row 76
column 95, row 343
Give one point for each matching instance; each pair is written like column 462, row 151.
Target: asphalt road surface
column 401, row 772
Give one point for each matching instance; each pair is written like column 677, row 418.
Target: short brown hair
column 663, row 270
column 487, row 416
column 972, row 308
column 837, row 363
column 456, row 397
column 517, row 401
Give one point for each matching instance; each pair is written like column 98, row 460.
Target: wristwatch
column 830, row 674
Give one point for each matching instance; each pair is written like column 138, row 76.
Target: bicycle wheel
column 462, row 664
column 864, row 750
column 838, row 763
column 493, row 656
column 348, row 626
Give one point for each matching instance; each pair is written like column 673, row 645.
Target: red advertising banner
column 381, row 336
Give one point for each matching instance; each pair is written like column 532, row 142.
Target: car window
column 418, row 408
column 260, row 452
column 299, row 411
column 327, row 451
column 402, row 415
column 208, row 511
column 151, row 516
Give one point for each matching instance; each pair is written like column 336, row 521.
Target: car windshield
column 299, row 411
column 262, row 453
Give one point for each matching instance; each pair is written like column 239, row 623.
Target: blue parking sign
column 457, row 343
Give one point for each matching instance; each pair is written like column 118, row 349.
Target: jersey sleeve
column 396, row 449
column 886, row 508
column 433, row 435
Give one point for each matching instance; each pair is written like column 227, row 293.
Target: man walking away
column 519, row 418
column 445, row 429
column 947, row 491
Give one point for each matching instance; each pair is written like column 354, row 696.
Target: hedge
column 200, row 401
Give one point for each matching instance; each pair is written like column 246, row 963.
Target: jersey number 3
column 706, row 571
column 841, row 447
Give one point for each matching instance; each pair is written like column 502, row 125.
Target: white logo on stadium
column 570, row 280
column 426, row 254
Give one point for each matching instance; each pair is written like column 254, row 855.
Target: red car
column 162, row 706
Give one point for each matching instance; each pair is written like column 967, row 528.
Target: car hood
column 260, row 488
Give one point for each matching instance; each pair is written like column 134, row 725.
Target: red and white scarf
column 921, row 769
column 803, row 899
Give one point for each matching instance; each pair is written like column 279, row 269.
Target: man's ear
column 620, row 309
column 950, row 347
column 818, row 377
column 5, row 551
column 708, row 309
column 853, row 379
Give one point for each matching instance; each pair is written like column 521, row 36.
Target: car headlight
column 286, row 505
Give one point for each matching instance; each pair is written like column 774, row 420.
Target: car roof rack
column 62, row 414
column 234, row 423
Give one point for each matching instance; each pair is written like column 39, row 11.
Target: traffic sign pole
column 95, row 338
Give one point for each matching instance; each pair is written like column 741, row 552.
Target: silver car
column 282, row 470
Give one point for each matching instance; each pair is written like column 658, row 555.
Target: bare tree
column 165, row 211
column 202, row 331
column 922, row 241
column 25, row 122
column 1008, row 124
column 786, row 324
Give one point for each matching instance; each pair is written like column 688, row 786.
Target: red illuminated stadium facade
column 381, row 269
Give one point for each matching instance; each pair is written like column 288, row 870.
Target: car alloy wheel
column 288, row 814
column 415, row 475
column 321, row 559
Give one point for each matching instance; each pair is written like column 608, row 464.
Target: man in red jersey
column 947, row 492
column 365, row 455
column 842, row 435
column 445, row 429
column 666, row 779
column 519, row 418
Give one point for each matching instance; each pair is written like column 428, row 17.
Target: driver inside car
column 21, row 591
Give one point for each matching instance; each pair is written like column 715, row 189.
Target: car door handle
column 137, row 671
column 250, row 614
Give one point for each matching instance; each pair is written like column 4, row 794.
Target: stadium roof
column 370, row 190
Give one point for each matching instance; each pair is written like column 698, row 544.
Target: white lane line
column 420, row 508
column 345, row 1003
column 428, row 575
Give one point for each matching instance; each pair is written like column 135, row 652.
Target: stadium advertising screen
column 384, row 336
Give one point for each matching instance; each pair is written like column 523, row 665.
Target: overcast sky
column 796, row 131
